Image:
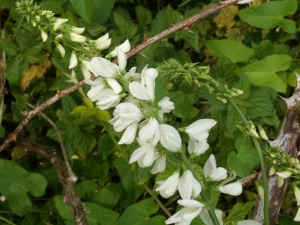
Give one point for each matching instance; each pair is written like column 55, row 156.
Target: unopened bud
column 262, row 132
column 272, row 171
column 222, row 99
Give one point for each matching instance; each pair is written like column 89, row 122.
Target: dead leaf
column 226, row 17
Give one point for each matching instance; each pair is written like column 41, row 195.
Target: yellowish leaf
column 35, row 71
column 234, row 34
column 226, row 17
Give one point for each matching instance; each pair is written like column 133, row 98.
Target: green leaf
column 239, row 211
column 183, row 105
column 263, row 72
column 233, row 118
column 229, row 49
column 259, row 104
column 84, row 8
column 126, row 27
column 265, row 48
column 86, row 143
column 139, row 213
column 108, row 196
column 270, row 15
column 100, row 215
column 245, row 159
column 54, row 6
column 68, row 104
column 143, row 15
column 33, row 54
column 7, row 4
column 9, row 47
column 103, row 6
column 127, row 178
column 16, row 182
column 285, row 219
column 105, row 145
column 95, row 29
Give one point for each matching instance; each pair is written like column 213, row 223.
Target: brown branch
column 288, row 141
column 203, row 14
column 71, row 198
column 72, row 176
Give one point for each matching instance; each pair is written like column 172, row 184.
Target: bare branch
column 71, row 198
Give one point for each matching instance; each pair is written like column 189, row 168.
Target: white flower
column 165, row 106
column 149, row 129
column 145, row 155
column 170, row 138
column 145, row 90
column 284, row 174
column 73, row 61
column 78, row 30
column 244, row 1
column 44, row 35
column 297, row 217
column 122, row 60
column 191, row 209
column 125, row 114
column 131, row 75
column 234, row 188
column 61, row 49
column 206, row 217
column 59, row 22
column 85, row 69
column 199, row 129
column 188, row 186
column 114, row 85
column 96, row 86
column 125, row 47
column 297, row 194
column 159, row 164
column 77, row 37
column 103, row 67
column 168, row 187
column 197, row 147
column 248, row 222
column 211, row 170
column 103, row 42
column 107, row 99
column 129, row 134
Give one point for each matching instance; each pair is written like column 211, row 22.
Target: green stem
column 262, row 164
column 203, row 193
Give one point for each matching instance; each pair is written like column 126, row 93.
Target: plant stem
column 203, row 193
column 262, row 164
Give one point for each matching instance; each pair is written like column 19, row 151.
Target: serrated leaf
column 54, row 6
column 173, row 16
column 86, row 143
column 143, row 15
column 183, row 105
column 16, row 182
column 139, row 213
column 33, row 53
column 245, row 159
column 226, row 17
column 270, row 15
column 259, row 104
column 95, row 29
column 9, row 47
column 83, row 111
column 68, row 104
column 263, row 72
column 159, row 23
column 102, row 115
column 126, row 27
column 229, row 49
column 232, row 119
column 84, row 8
column 191, row 38
column 239, row 211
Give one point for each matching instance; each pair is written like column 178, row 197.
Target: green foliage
column 239, row 211
column 84, row 9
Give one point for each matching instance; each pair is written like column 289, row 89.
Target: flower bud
column 77, row 38
column 297, row 194
column 59, row 22
column 73, row 61
column 61, row 49
column 272, row 171
column 78, row 30
column 44, row 35
column 262, row 132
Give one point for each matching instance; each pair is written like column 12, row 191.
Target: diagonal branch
column 60, row 94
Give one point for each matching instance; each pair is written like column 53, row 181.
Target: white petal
column 248, row 222
column 190, row 203
column 170, row 138
column 201, row 125
column 234, row 189
column 114, row 85
column 185, row 185
column 129, row 134
column 73, row 61
column 149, row 130
column 138, row 153
column 159, row 165
column 210, row 166
column 297, row 217
column 219, row 174
column 139, row 91
column 284, row 174
column 122, row 60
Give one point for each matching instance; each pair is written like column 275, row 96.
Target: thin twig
column 72, row 176
column 71, row 198
column 203, row 14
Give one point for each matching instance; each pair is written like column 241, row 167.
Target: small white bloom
column 2, row 198
column 234, row 188
column 188, row 186
column 244, row 1
column 77, row 37
column 284, row 174
column 78, row 30
column 131, row 75
column 73, row 61
column 125, row 114
column 122, row 60
column 297, row 217
column 44, row 35
column 191, row 209
column 103, row 42
column 114, row 85
column 199, row 129
column 248, row 222
column 197, row 147
column 125, row 47
column 165, row 106
column 159, row 164
column 103, row 67
column 107, row 99
column 149, row 129
column 211, row 170
column 206, row 217
column 129, row 134
column 96, row 86
column 168, row 187
column 170, row 138
column 61, row 49
column 85, row 65
column 58, row 24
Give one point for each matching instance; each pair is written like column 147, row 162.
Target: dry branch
column 288, row 141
